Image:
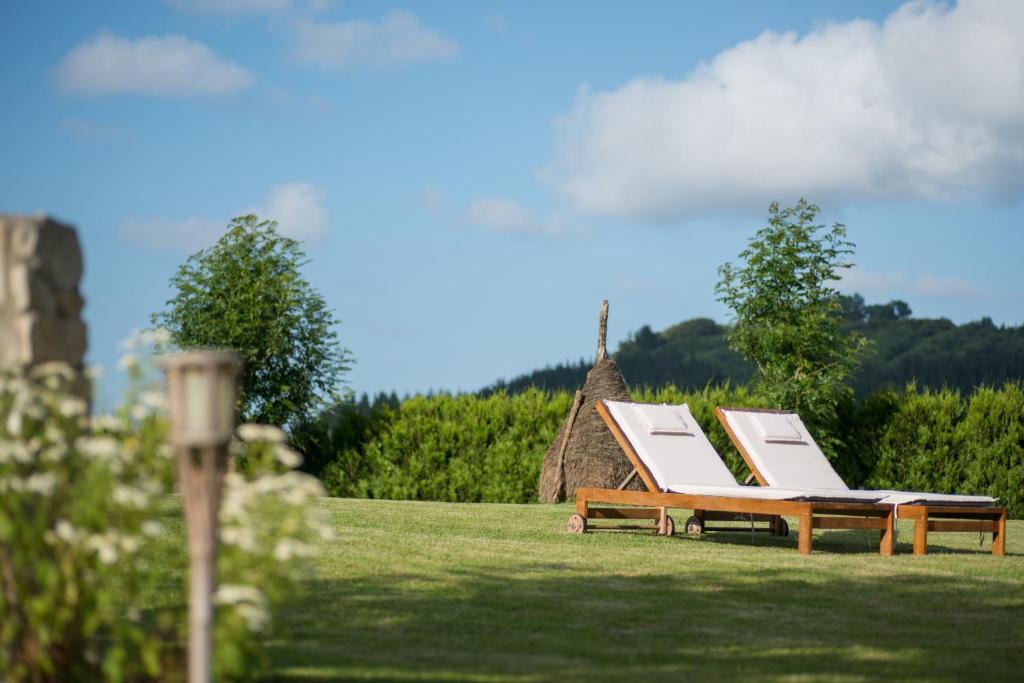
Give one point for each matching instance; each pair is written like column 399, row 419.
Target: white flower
column 108, row 423
column 256, row 618
column 54, row 368
column 105, row 546
column 233, row 593
column 42, row 483
column 99, row 447
column 288, row 548
column 72, row 406
column 153, row 399
column 128, row 361
column 94, row 372
column 288, row 457
column 15, row 451
column 14, row 422
column 257, row 432
column 130, row 496
column 129, row 544
column 151, row 528
column 65, row 531
column 240, row 537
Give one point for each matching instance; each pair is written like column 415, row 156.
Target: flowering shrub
column 92, row 552
column 79, row 505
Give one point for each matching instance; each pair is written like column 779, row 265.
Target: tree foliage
column 247, row 293
column 787, row 317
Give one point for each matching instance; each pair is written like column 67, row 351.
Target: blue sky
column 470, row 180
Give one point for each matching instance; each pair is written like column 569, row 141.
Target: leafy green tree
column 247, row 293
column 787, row 316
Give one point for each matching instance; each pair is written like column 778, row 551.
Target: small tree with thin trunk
column 246, row 293
column 787, row 315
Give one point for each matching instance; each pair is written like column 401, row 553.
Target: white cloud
column 396, row 40
column 504, row 216
column 231, row 6
column 297, row 207
column 159, row 233
column 883, row 286
column 871, row 284
column 929, row 104
column 82, row 129
column 949, row 287
column 432, row 199
column 151, row 65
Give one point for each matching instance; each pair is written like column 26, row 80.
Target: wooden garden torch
column 202, row 388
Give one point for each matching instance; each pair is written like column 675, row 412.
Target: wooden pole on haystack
column 602, row 333
column 602, row 353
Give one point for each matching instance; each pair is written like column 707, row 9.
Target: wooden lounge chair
column 780, row 451
column 681, row 469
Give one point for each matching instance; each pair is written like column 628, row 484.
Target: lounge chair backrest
column 671, row 444
column 781, row 449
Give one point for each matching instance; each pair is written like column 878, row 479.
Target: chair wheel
column 670, row 526
column 695, row 526
column 577, row 524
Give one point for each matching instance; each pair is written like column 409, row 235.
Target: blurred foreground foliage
column 92, row 554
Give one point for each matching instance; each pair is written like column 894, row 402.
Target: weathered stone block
column 40, row 305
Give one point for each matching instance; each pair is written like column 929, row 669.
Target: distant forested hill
column 935, row 352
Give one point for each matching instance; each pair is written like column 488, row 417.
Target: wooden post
column 999, row 536
column 201, row 475
column 888, row 545
column 806, row 531
column 201, row 391
column 602, row 333
column 921, row 532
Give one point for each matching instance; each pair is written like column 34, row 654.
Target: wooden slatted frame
column 926, row 517
column 811, row 515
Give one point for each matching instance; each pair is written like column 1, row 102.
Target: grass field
column 437, row 591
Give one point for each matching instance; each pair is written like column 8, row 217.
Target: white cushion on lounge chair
column 776, row 493
column 805, row 467
column 671, row 458
column 789, row 465
column 665, row 419
column 692, row 460
column 952, row 499
column 776, row 427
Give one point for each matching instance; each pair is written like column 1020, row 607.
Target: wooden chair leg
column 888, row 544
column 804, row 545
column 921, row 533
column 999, row 536
column 582, row 507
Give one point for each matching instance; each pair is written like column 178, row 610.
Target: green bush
column 992, row 432
column 919, row 448
column 460, row 448
column 489, row 448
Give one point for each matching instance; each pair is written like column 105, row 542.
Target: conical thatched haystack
column 591, row 457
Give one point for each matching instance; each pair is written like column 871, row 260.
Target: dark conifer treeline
column 934, row 352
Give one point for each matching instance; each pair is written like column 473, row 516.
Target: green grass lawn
column 437, row 591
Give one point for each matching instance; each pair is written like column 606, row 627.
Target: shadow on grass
column 548, row 622
column 845, row 542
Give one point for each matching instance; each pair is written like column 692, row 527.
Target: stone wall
column 40, row 305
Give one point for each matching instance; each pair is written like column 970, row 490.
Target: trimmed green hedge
column 489, row 449
column 458, row 448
